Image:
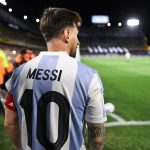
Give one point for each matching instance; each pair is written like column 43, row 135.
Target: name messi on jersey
column 41, row 74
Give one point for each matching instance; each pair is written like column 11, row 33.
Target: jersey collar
column 53, row 53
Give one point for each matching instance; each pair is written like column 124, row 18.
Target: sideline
column 121, row 122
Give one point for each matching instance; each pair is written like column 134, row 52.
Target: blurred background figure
column 32, row 55
column 9, row 71
column 128, row 56
column 18, row 61
column 2, row 73
column 26, row 57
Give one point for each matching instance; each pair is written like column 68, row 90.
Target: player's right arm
column 95, row 136
column 11, row 122
column 11, row 125
column 95, row 115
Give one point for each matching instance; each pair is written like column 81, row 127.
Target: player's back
column 51, row 97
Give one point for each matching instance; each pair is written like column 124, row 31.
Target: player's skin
column 96, row 136
column 68, row 41
column 12, row 127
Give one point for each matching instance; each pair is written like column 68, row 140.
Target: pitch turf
column 5, row 143
column 126, row 85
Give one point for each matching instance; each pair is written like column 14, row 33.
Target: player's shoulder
column 18, row 70
column 86, row 67
column 86, row 70
column 83, row 68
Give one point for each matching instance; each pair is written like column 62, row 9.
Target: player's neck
column 57, row 45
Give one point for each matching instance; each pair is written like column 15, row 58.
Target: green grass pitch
column 127, row 85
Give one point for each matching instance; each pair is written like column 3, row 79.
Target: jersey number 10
column 63, row 122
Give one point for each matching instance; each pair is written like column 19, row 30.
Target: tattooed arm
column 95, row 136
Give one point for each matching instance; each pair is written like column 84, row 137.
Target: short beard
column 73, row 54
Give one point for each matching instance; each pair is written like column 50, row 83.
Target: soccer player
column 128, row 56
column 52, row 96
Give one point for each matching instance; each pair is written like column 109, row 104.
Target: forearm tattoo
column 96, row 136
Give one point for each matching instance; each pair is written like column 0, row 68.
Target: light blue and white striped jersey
column 54, row 94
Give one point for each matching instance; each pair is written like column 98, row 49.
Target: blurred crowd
column 10, row 60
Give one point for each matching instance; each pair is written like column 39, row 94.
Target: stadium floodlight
column 25, row 17
column 37, row 20
column 100, row 19
column 133, row 22
column 10, row 10
column 119, row 24
column 108, row 24
column 3, row 2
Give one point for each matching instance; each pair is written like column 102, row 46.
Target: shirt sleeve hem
column 93, row 119
column 9, row 103
column 10, row 108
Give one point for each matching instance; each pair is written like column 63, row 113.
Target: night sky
column 118, row 10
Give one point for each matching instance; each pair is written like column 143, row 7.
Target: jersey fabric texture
column 53, row 95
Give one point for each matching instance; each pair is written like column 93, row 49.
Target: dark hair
column 54, row 20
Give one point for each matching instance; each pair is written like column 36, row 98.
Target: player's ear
column 66, row 35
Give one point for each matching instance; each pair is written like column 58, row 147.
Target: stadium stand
column 16, row 23
column 24, row 39
column 94, row 40
column 18, row 33
column 112, row 40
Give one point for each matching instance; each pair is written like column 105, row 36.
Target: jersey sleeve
column 95, row 112
column 10, row 102
column 9, row 83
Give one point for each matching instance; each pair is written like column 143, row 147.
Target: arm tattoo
column 96, row 136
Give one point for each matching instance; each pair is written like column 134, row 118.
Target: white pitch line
column 127, row 123
column 117, row 117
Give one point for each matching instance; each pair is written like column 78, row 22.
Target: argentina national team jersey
column 53, row 95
